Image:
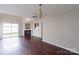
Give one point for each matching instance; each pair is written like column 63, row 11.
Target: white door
column 10, row 30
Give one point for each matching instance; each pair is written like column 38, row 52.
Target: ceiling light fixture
column 39, row 13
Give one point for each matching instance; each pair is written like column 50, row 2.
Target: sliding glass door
column 10, row 30
column 14, row 29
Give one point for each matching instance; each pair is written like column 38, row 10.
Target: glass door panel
column 10, row 30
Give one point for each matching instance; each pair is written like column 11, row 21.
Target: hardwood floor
column 33, row 46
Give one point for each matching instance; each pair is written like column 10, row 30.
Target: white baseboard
column 63, row 47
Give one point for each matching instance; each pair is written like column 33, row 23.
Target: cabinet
column 27, row 34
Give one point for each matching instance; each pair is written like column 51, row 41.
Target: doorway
column 10, row 30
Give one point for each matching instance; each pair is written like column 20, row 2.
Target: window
column 10, row 30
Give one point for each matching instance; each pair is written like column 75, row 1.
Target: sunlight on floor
column 10, row 43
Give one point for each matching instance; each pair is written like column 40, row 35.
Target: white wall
column 37, row 31
column 62, row 30
column 4, row 18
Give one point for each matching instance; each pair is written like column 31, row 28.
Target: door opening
column 10, row 30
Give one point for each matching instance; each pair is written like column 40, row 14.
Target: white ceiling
column 26, row 10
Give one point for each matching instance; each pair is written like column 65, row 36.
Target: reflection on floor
column 33, row 46
column 19, row 46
